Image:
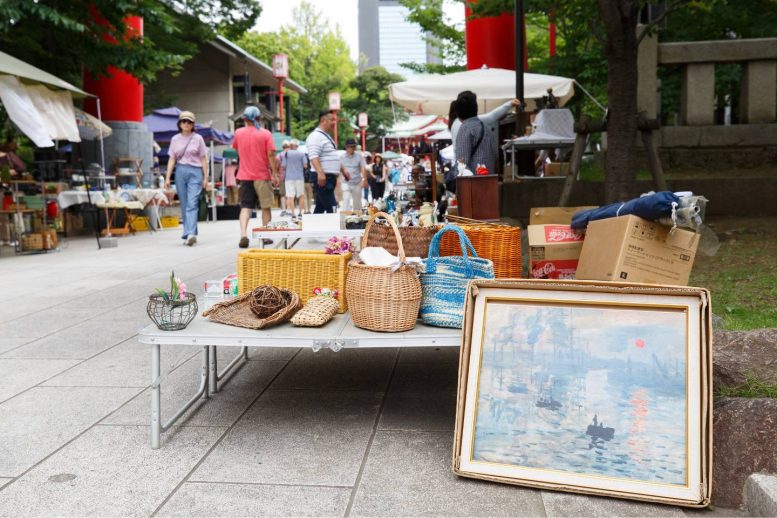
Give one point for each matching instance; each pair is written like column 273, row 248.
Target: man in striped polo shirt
column 325, row 161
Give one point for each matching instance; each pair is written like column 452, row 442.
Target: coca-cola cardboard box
column 554, row 251
column 554, row 215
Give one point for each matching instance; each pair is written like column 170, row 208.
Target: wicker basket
column 499, row 243
column 381, row 299
column 415, row 239
column 297, row 270
column 32, row 242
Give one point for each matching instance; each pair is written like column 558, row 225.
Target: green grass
column 751, row 388
column 742, row 276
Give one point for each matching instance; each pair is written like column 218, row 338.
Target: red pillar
column 490, row 41
column 121, row 94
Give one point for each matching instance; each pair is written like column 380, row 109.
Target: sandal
column 243, row 242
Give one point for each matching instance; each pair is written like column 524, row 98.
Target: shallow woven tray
column 237, row 312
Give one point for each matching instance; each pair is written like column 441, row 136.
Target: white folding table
column 338, row 333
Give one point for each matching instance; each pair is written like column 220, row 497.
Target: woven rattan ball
column 266, row 300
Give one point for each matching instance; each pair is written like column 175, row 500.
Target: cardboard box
column 554, row 215
column 557, row 169
column 554, row 251
column 631, row 249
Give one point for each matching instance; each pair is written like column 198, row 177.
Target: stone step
column 761, row 494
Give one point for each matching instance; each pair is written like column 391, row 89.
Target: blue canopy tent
column 163, row 123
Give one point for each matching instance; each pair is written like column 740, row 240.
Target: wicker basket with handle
column 382, row 298
column 499, row 243
column 416, row 240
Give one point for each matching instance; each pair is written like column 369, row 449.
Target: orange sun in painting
column 640, row 343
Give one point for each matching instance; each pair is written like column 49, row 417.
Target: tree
column 372, row 85
column 318, row 60
column 64, row 38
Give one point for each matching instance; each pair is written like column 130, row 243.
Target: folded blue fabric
column 651, row 207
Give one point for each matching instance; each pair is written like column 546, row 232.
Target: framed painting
column 588, row 387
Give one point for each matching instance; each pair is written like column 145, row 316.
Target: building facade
column 387, row 39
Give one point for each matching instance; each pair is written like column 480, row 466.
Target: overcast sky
column 276, row 13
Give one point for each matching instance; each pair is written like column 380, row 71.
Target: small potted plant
column 172, row 310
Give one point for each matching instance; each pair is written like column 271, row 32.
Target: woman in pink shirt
column 189, row 159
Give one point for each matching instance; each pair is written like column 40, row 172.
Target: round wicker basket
column 383, row 300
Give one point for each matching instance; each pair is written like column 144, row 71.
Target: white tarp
column 42, row 114
column 16, row 67
column 56, row 107
column 22, row 112
column 433, row 93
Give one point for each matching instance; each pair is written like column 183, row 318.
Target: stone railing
column 679, row 145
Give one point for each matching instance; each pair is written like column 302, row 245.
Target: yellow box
column 170, row 221
column 297, row 270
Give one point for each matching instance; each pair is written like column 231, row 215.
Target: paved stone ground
column 354, row 433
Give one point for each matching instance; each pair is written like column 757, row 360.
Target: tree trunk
column 620, row 23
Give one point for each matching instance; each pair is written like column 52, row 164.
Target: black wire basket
column 172, row 315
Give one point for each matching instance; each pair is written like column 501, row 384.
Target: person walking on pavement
column 378, row 174
column 189, row 159
column 322, row 151
column 281, row 157
column 258, row 171
column 355, row 170
column 294, row 161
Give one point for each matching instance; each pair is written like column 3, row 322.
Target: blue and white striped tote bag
column 444, row 280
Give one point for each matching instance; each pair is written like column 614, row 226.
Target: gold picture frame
column 587, row 387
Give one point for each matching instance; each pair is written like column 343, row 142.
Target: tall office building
column 386, row 38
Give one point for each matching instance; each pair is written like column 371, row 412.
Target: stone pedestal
column 759, row 82
column 647, row 86
column 697, row 100
column 129, row 139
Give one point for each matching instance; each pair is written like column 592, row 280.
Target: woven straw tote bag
column 444, row 280
column 382, row 298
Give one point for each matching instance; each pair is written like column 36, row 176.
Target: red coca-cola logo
column 543, row 271
column 561, row 234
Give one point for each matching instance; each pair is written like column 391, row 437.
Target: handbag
column 444, row 280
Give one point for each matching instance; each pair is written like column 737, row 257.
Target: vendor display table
column 281, row 237
column 111, row 209
column 337, row 334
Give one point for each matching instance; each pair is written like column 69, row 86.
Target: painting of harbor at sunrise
column 584, row 388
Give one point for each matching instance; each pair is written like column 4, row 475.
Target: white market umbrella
column 90, row 127
column 433, row 93
column 441, row 135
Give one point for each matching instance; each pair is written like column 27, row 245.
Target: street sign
column 334, row 101
column 363, row 120
column 280, row 66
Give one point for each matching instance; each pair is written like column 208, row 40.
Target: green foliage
column 63, row 38
column 318, row 59
column 751, row 388
column 372, row 85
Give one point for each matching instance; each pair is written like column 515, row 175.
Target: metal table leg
column 215, row 375
column 209, row 378
column 156, row 397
